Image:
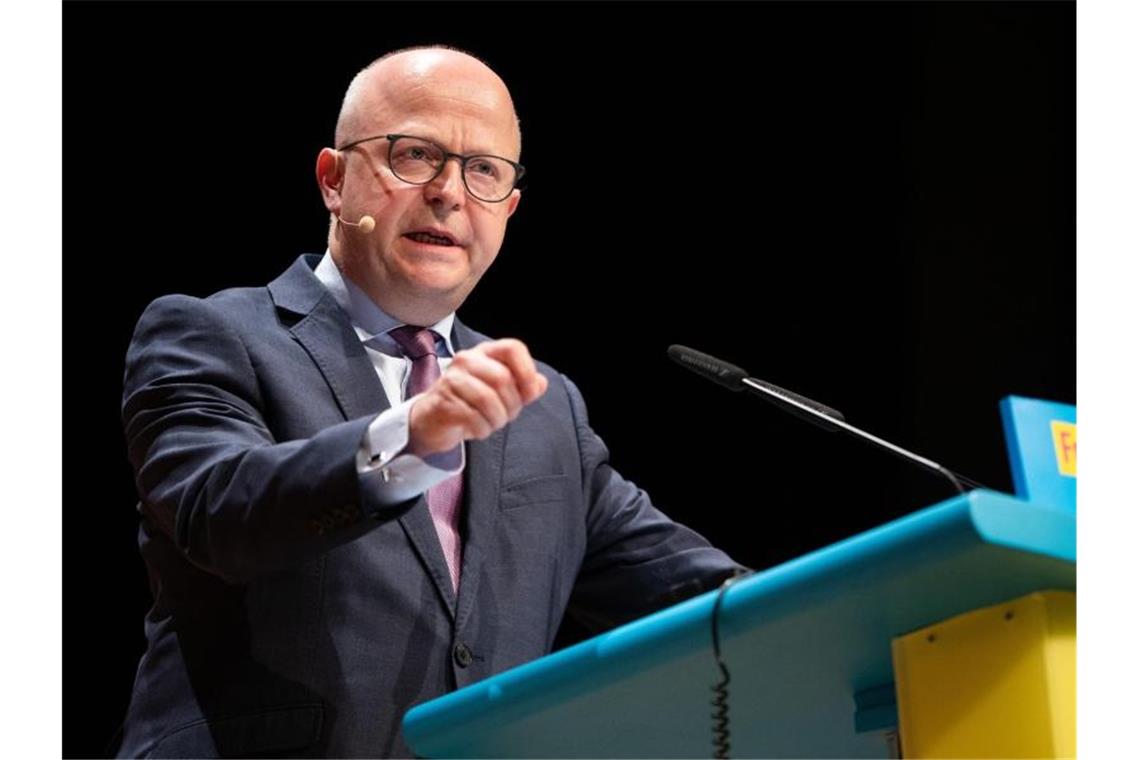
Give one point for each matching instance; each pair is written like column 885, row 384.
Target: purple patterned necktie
column 445, row 498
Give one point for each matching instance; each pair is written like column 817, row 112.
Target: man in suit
column 351, row 502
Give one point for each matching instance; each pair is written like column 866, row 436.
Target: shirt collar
column 370, row 322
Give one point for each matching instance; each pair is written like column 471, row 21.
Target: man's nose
column 447, row 188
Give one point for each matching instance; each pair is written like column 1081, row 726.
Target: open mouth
column 428, row 238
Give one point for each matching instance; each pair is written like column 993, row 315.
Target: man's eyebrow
column 482, row 151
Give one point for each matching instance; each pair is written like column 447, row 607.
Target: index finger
column 516, row 356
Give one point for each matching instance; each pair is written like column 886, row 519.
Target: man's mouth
column 429, row 238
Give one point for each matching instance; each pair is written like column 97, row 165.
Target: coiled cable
column 720, row 730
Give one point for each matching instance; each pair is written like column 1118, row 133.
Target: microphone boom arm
column 736, row 379
column 828, row 422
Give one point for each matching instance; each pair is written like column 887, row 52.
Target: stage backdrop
column 872, row 205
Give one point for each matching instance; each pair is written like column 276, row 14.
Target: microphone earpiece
column 366, row 223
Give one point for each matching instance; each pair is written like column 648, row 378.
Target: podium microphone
column 366, row 223
column 736, row 379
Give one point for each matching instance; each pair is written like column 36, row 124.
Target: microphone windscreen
column 717, row 370
column 367, row 224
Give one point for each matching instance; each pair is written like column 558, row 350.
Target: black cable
column 973, row 484
column 958, row 480
column 720, row 731
column 952, row 478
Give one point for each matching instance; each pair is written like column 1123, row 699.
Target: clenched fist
column 482, row 390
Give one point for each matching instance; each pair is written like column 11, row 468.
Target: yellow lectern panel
column 996, row 682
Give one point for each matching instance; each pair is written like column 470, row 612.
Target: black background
column 871, row 204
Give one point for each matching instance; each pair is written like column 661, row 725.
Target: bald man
column 350, row 501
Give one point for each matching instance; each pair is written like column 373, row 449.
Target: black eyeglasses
column 418, row 161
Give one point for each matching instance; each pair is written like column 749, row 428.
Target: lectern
column 808, row 645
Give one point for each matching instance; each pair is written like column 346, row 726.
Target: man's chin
column 438, row 281
column 443, row 293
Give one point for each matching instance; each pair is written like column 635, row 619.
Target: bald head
column 456, row 102
column 399, row 81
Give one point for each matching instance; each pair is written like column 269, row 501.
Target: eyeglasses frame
column 520, row 170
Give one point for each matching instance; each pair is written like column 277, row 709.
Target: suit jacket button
column 462, row 655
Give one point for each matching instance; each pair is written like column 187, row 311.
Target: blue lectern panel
column 1041, row 439
column 801, row 640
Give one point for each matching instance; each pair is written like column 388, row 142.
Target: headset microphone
column 366, row 223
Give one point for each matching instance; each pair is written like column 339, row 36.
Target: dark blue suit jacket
column 293, row 613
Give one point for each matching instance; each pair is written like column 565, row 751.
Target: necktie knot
column 415, row 342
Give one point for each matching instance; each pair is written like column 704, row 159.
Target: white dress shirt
column 398, row 474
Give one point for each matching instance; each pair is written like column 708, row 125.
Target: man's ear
column 513, row 201
column 330, row 175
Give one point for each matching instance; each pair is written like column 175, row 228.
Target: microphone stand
column 761, row 388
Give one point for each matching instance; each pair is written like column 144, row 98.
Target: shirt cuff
column 395, row 474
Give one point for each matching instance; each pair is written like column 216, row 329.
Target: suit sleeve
column 637, row 559
column 210, row 474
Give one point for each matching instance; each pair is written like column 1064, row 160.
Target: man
column 351, row 502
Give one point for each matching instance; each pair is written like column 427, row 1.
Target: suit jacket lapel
column 482, row 479
column 326, row 333
column 420, row 529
